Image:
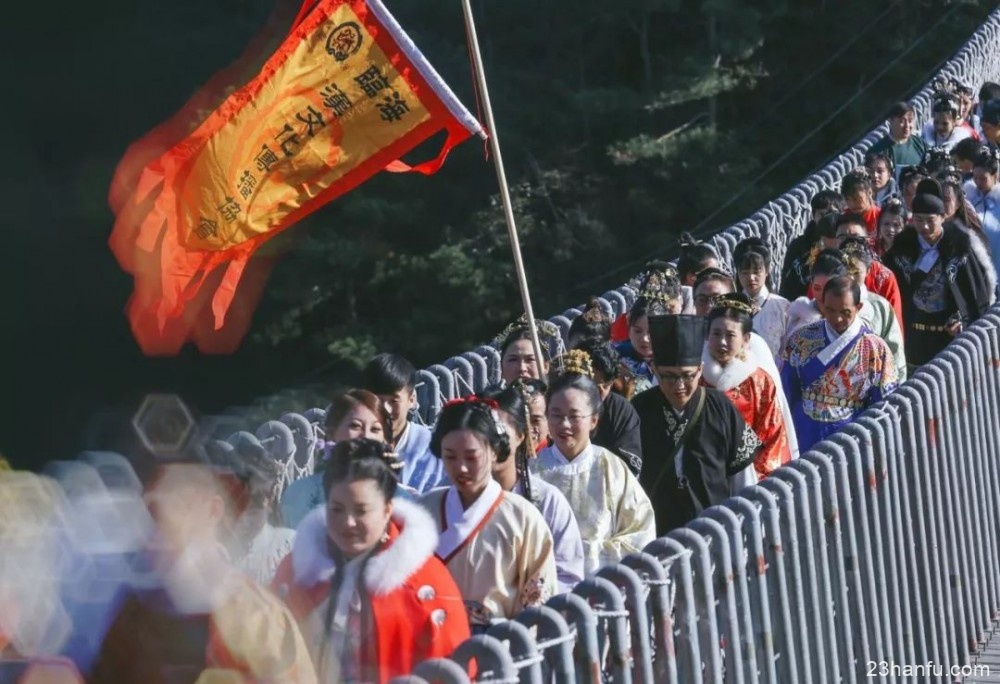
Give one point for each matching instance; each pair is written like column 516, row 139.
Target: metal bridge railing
column 876, row 550
column 776, row 223
column 879, row 546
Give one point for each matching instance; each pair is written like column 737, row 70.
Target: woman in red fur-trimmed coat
column 362, row 579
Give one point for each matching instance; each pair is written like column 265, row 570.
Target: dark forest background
column 623, row 124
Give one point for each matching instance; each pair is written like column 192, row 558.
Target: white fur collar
column 724, row 378
column 386, row 571
column 801, row 313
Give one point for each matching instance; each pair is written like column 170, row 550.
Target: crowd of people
column 408, row 539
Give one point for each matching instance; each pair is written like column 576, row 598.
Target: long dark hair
column 511, row 401
column 950, row 178
column 474, row 414
column 353, row 460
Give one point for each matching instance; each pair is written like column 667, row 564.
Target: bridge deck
column 988, row 657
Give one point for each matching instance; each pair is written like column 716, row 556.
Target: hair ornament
column 688, row 240
column 892, row 203
column 935, row 159
column 855, row 248
column 579, row 362
column 653, row 278
column 471, row 399
column 389, row 456
column 392, row 460
column 527, row 390
column 732, row 301
column 486, row 403
column 853, row 244
column 860, row 172
column 546, row 332
column 593, row 313
column 944, row 101
column 660, row 286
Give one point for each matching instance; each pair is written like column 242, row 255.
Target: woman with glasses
column 612, row 510
column 727, row 367
column 496, row 544
column 618, row 425
column 354, row 414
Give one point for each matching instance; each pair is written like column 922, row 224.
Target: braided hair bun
column 363, row 459
column 476, row 415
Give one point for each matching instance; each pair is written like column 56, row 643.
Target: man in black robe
column 801, row 250
column 946, row 277
column 697, row 449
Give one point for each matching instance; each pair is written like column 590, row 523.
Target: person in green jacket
column 903, row 143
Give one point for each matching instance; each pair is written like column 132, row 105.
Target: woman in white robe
column 753, row 258
column 513, row 476
column 612, row 510
column 496, row 544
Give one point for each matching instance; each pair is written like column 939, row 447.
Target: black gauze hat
column 991, row 113
column 677, row 340
column 928, row 199
column 827, row 226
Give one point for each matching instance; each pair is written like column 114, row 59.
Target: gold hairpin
column 654, row 278
column 658, row 297
column 594, row 315
column 578, row 361
column 735, row 304
column 853, row 248
column 544, row 329
column 656, row 284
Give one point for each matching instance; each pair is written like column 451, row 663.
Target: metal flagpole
column 508, row 209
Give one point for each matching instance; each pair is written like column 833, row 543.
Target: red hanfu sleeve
column 770, row 427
